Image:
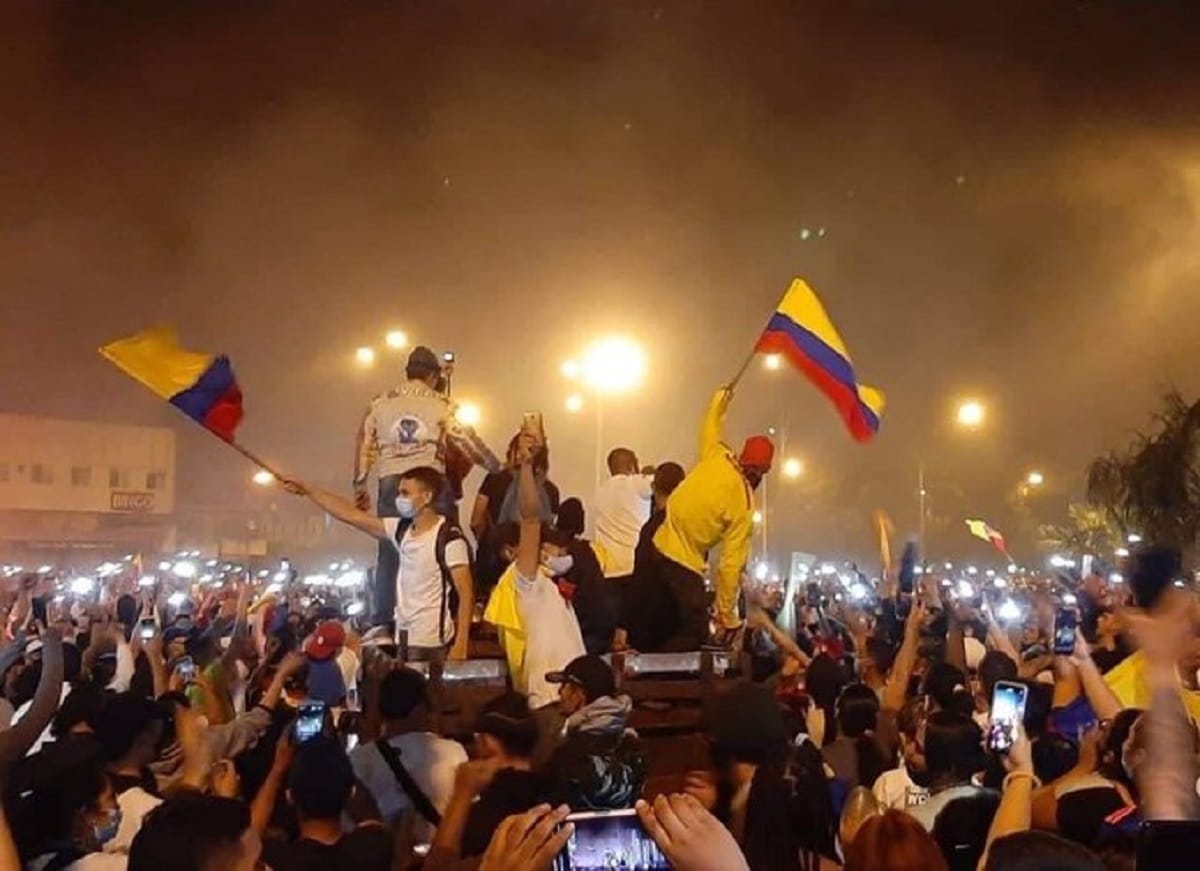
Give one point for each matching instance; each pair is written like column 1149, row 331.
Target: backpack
column 449, row 531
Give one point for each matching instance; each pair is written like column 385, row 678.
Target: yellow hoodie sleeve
column 712, row 430
column 734, row 550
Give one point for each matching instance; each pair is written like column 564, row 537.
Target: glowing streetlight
column 793, row 468
column 971, row 414
column 1035, row 479
column 574, row 403
column 263, row 478
column 772, row 362
column 757, row 517
column 365, row 356
column 396, row 339
column 468, row 414
column 614, row 365
column 570, row 369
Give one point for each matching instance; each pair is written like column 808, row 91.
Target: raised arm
column 529, row 547
column 339, row 508
column 1167, row 778
column 712, row 429
column 1015, row 813
column 15, row 742
column 896, row 690
column 1099, row 694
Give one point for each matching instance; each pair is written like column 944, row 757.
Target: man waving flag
column 800, row 331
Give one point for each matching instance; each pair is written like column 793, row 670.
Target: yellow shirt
column 1128, row 683
column 502, row 613
column 713, row 506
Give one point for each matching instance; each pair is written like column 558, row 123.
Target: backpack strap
column 411, row 788
column 447, row 533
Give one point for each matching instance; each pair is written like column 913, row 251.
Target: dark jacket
column 600, row 764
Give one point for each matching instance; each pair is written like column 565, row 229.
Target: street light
column 772, row 362
column 971, row 414
column 396, row 339
column 468, row 414
column 574, row 403
column 1035, row 479
column 614, row 365
column 793, row 468
column 365, row 356
column 263, row 478
column 756, row 517
column 570, row 369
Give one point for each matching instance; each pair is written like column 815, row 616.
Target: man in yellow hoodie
column 713, row 507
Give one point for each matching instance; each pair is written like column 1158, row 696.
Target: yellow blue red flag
column 202, row 386
column 801, row 331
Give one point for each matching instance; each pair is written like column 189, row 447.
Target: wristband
column 1016, row 775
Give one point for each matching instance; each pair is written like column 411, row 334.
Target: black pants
column 686, row 617
column 387, row 557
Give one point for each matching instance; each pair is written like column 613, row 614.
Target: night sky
column 1008, row 192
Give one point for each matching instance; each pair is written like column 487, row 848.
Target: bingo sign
column 130, row 501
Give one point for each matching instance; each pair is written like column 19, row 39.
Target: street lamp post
column 609, row 366
column 970, row 415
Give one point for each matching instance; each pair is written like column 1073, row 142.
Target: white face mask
column 557, row 566
column 405, row 507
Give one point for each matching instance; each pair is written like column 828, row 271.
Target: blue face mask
column 558, row 566
column 105, row 829
column 405, row 507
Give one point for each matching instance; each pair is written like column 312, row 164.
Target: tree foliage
column 1153, row 487
column 1088, row 529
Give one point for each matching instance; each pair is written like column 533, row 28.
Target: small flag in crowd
column 801, row 331
column 979, row 529
column 202, row 386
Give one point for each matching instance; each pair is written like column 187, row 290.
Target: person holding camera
column 409, row 427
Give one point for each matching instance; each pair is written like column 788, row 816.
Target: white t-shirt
column 419, row 584
column 895, row 790
column 622, row 507
column 552, row 636
column 430, row 759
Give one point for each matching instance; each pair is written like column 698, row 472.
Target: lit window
column 156, row 480
column 81, row 476
column 40, row 473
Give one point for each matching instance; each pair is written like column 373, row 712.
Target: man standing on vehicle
column 409, row 427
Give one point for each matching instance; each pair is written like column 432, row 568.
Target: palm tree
column 1088, row 529
column 1153, row 488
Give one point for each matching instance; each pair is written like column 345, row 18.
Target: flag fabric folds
column 202, row 386
column 801, row 331
column 979, row 529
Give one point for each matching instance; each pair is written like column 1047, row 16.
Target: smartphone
column 186, row 669
column 609, row 839
column 310, row 720
column 531, row 422
column 908, row 568
column 1008, row 710
column 1168, row 844
column 146, row 628
column 1065, row 621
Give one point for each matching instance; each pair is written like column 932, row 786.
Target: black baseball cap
column 590, row 673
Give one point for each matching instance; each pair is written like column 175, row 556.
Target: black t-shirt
column 367, row 848
column 1107, row 660
column 510, row 792
column 495, row 487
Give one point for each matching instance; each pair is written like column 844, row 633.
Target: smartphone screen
column 1008, row 710
column 609, row 839
column 186, row 669
column 1065, row 621
column 310, row 720
column 146, row 628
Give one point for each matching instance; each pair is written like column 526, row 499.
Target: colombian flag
column 979, row 529
column 801, row 331
column 202, row 386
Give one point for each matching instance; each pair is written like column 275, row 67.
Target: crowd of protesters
column 245, row 730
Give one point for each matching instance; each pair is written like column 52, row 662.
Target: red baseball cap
column 326, row 641
column 757, row 452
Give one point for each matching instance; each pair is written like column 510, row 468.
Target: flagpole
column 254, row 458
column 742, row 371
